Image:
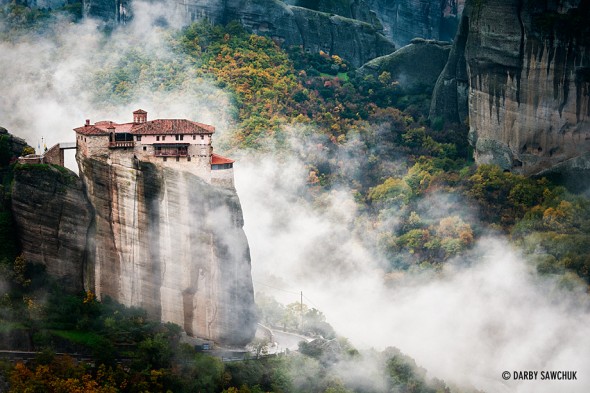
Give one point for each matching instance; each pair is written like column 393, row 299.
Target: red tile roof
column 91, row 130
column 217, row 159
column 105, row 125
column 153, row 127
column 140, row 112
column 171, row 126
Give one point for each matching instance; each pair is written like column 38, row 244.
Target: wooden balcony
column 175, row 150
column 118, row 144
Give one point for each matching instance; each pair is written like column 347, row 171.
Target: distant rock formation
column 353, row 9
column 355, row 40
column 404, row 20
column 525, row 69
column 415, row 66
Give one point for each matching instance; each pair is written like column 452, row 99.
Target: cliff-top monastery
column 176, row 143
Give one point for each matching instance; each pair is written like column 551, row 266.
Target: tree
column 154, row 353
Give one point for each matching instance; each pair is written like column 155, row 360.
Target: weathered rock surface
column 416, row 66
column 353, row 9
column 528, row 70
column 450, row 95
column 170, row 243
column 11, row 147
column 404, row 20
column 53, row 218
column 354, row 40
column 144, row 235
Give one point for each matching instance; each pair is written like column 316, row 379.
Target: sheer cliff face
column 170, row 243
column 354, row 40
column 53, row 218
column 527, row 65
column 404, row 20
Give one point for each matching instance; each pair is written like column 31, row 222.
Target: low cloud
column 49, row 82
column 485, row 313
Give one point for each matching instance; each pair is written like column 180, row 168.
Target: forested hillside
column 290, row 97
column 420, row 200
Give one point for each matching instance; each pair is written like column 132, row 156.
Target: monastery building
column 175, row 143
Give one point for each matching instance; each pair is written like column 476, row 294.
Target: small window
column 202, row 137
column 138, row 138
column 177, row 158
column 165, row 158
column 163, row 137
column 194, row 137
column 144, row 148
column 176, row 136
column 188, row 158
column 157, row 137
column 181, row 137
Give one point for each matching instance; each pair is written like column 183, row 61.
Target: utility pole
column 301, row 311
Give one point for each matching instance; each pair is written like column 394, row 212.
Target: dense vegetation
column 126, row 352
column 369, row 137
column 371, row 123
column 17, row 18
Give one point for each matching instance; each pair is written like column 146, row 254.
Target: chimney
column 87, row 122
column 139, row 116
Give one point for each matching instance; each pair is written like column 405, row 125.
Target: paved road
column 280, row 341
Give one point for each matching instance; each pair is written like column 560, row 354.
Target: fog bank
column 486, row 313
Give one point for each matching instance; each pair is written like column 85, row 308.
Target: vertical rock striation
column 146, row 236
column 172, row 244
column 53, row 218
column 527, row 65
column 404, row 20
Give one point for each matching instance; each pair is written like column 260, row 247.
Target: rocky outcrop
column 527, row 65
column 353, row 9
column 168, row 242
column 572, row 173
column 450, row 95
column 354, row 40
column 11, row 147
column 415, row 66
column 144, row 235
column 404, row 20
column 53, row 218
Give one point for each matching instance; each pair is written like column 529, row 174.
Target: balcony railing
column 116, row 144
column 171, row 153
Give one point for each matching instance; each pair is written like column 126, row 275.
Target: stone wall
column 223, row 177
column 54, row 156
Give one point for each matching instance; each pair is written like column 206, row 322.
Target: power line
column 287, row 291
column 312, row 303
column 278, row 289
